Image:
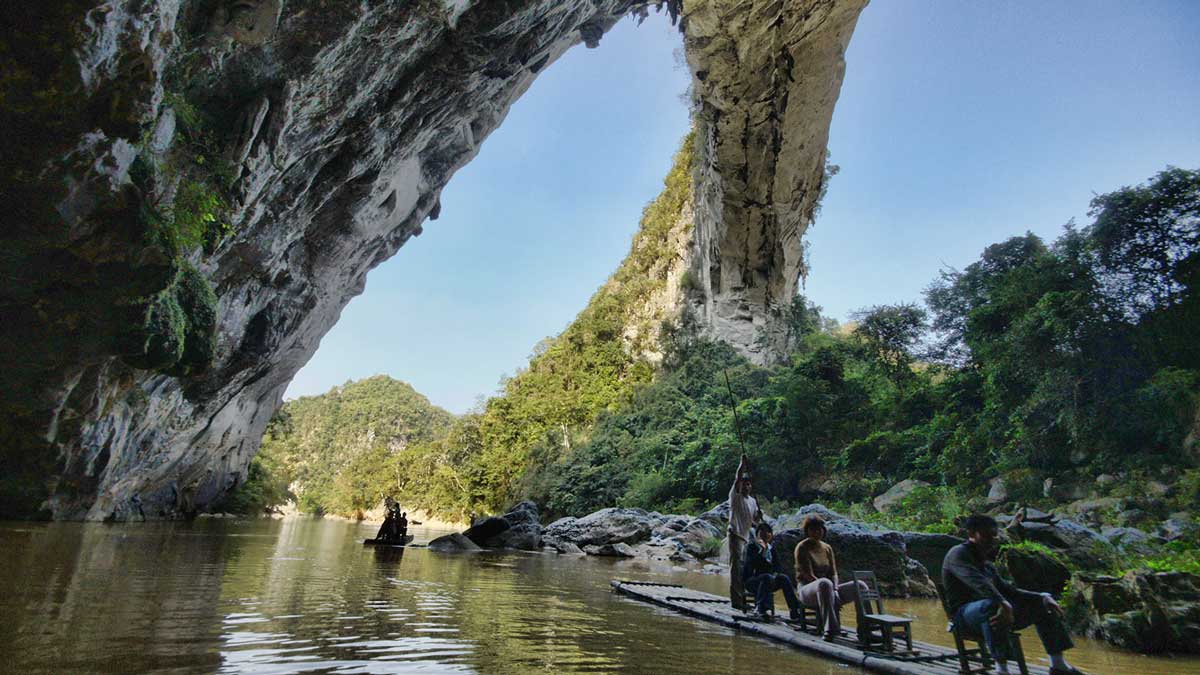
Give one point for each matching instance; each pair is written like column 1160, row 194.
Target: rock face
column 1144, row 611
column 766, row 76
column 137, row 365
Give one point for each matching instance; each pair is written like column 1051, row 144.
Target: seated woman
column 816, row 574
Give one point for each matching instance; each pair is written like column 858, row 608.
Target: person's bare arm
column 743, row 467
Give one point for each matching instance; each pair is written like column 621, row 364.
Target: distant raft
column 923, row 659
column 403, row 541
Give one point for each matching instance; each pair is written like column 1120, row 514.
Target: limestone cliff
column 194, row 189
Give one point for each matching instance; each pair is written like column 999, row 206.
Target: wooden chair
column 809, row 613
column 979, row 652
column 874, row 625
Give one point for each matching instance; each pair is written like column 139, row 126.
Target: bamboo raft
column 924, row 659
column 389, row 542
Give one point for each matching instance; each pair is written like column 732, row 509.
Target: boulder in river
column 857, row 547
column 795, row 520
column 697, row 538
column 485, row 529
column 672, row 526
column 617, row 550
column 567, row 548
column 1149, row 612
column 930, row 549
column 518, row 529
column 718, row 515
column 606, row 526
column 453, row 543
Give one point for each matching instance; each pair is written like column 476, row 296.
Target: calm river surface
column 304, row 596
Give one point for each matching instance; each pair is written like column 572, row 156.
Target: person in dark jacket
column 982, row 602
column 763, row 576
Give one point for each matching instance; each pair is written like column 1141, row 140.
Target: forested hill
column 342, row 450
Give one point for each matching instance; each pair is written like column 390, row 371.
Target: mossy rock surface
column 177, row 333
column 1035, row 570
column 199, row 304
column 1149, row 612
column 164, row 333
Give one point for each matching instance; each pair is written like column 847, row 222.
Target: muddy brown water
column 304, row 596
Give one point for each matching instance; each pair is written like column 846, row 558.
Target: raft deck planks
column 926, row 659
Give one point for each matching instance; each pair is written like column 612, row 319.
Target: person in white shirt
column 743, row 516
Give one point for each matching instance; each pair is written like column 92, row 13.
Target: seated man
column 763, row 577
column 983, row 603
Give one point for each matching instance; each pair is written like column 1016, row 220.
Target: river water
column 304, row 596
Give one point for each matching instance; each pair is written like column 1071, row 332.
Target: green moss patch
column 177, row 332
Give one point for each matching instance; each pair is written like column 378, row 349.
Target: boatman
column 743, row 516
column 387, row 531
column 983, row 603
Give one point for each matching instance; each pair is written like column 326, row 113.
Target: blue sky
column 959, row 124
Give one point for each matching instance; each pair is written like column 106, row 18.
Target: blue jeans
column 764, row 586
column 974, row 616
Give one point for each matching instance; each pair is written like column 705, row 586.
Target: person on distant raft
column 763, row 576
column 743, row 515
column 402, row 527
column 387, row 531
column 816, row 574
column 983, row 603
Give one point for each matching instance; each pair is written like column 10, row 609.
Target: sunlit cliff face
column 195, row 189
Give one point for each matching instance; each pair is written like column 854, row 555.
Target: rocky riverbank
column 901, row 560
column 1143, row 610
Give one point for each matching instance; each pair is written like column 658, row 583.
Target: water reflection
column 74, row 597
column 303, row 596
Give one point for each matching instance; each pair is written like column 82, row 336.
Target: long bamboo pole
column 737, row 424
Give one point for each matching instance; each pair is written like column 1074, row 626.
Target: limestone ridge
column 335, row 126
column 766, row 76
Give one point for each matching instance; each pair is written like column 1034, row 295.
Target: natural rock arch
column 342, row 126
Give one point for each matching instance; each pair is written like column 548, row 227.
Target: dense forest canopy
column 1041, row 360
